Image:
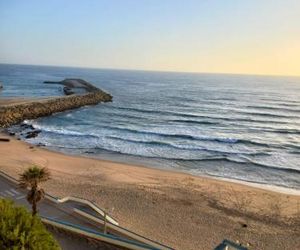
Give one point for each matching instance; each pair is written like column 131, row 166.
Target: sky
column 215, row 36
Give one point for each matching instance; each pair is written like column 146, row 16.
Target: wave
column 180, row 136
column 163, row 136
column 186, row 147
column 283, row 131
column 159, row 112
column 189, row 137
column 121, row 151
column 192, row 160
column 195, row 122
column 277, row 168
column 273, row 108
column 196, row 117
column 60, row 131
column 269, row 115
column 175, row 135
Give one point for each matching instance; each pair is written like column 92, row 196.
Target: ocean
column 239, row 127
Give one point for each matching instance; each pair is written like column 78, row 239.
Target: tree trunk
column 34, row 205
column 34, row 210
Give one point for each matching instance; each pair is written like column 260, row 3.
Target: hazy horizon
column 249, row 37
column 149, row 70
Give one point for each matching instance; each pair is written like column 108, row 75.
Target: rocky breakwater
column 32, row 109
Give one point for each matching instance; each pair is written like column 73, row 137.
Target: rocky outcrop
column 13, row 114
column 32, row 134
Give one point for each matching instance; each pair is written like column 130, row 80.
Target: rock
column 31, row 147
column 68, row 91
column 41, row 145
column 14, row 114
column 32, row 134
column 4, row 139
column 26, row 126
column 12, row 133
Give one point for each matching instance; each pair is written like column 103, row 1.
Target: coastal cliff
column 16, row 113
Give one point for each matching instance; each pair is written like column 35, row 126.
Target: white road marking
column 14, row 191
column 10, row 193
column 3, row 194
column 20, row 197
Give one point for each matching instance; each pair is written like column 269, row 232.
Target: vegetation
column 20, row 230
column 31, row 178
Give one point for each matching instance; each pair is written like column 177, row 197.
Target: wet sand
column 176, row 209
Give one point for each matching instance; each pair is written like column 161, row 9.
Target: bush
column 20, row 230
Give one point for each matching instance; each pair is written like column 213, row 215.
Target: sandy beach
column 176, row 209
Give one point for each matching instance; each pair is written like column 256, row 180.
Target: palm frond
column 33, row 176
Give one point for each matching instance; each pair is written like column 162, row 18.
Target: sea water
column 240, row 127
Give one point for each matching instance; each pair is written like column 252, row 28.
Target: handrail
column 113, row 224
column 5, row 175
column 122, row 230
column 68, row 198
column 97, row 235
column 86, row 202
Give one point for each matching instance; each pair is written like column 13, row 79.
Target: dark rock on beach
column 32, row 134
column 27, row 126
column 4, row 139
column 89, row 152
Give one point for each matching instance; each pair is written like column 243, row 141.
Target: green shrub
column 20, row 230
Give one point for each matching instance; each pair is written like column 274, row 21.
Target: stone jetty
column 31, row 109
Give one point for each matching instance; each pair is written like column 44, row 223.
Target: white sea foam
column 238, row 127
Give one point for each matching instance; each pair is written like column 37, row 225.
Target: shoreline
column 153, row 202
column 262, row 186
column 143, row 164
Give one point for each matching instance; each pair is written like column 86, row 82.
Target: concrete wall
column 13, row 114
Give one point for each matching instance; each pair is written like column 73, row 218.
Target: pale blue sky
column 231, row 36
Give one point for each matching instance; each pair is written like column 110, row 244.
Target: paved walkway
column 62, row 212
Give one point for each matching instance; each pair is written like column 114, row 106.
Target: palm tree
column 31, row 178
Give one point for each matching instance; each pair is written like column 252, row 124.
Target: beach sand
column 176, row 209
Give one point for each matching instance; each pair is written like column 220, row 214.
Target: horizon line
column 151, row 70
